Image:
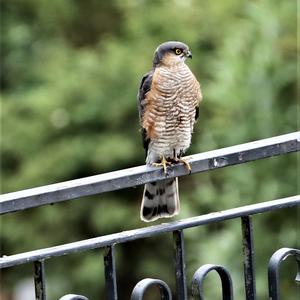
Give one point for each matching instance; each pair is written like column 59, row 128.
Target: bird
column 168, row 103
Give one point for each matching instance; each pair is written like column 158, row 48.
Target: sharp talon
column 185, row 162
column 163, row 164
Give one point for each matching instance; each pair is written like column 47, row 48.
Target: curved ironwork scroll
column 73, row 297
column 273, row 270
column 199, row 276
column 141, row 287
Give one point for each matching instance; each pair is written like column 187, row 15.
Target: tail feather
column 160, row 200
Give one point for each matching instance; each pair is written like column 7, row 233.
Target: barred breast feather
column 170, row 111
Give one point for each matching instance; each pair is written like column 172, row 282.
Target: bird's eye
column 178, row 51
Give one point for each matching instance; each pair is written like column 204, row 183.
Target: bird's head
column 171, row 53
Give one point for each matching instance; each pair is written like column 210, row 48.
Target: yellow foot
column 163, row 164
column 185, row 162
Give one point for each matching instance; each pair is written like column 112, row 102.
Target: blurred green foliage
column 70, row 71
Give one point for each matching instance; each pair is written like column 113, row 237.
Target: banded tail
column 160, row 200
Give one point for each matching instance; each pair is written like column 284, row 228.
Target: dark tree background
column 69, row 77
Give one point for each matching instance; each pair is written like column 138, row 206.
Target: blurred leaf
column 69, row 79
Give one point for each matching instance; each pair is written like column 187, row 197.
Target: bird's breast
column 171, row 104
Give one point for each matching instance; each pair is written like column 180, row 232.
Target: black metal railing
column 136, row 176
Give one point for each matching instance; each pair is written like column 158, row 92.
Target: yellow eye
column 178, row 51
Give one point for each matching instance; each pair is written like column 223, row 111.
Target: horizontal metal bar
column 139, row 175
column 130, row 235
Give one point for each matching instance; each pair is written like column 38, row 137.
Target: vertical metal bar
column 110, row 273
column 39, row 280
column 248, row 251
column 273, row 280
column 181, row 288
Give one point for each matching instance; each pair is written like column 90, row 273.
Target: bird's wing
column 142, row 104
column 198, row 101
column 197, row 113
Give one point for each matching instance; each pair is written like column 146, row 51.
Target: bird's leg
column 163, row 163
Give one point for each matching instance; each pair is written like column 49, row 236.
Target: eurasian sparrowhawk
column 168, row 101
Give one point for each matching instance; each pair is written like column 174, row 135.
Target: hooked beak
column 188, row 54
